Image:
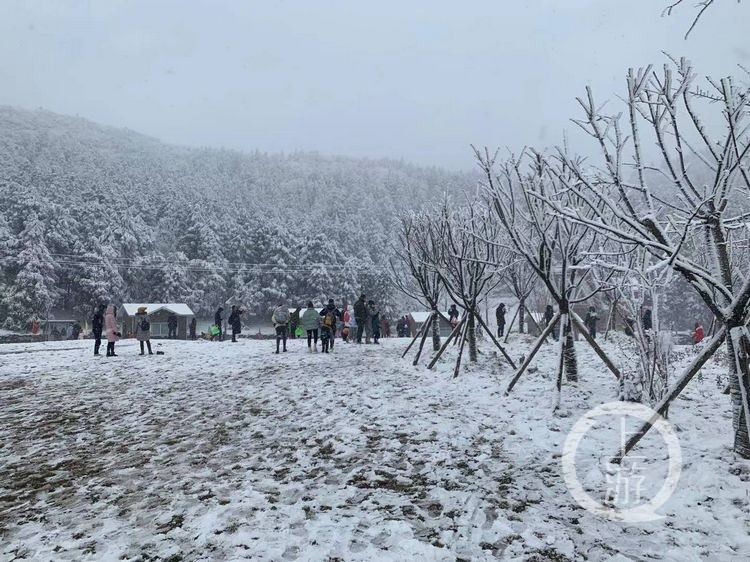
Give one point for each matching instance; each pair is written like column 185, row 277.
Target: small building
column 158, row 316
column 418, row 318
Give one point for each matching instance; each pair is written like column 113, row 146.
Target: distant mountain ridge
column 89, row 209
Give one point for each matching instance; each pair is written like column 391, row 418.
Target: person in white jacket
column 310, row 321
column 350, row 323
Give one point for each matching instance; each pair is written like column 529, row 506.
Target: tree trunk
column 739, row 387
column 566, row 333
column 471, row 335
column 436, row 331
column 521, row 314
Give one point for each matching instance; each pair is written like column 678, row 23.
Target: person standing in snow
column 373, row 314
column 590, row 321
column 698, row 334
column 647, row 322
column 235, row 321
column 218, row 320
column 310, row 321
column 385, row 327
column 143, row 329
column 110, row 328
column 327, row 329
column 452, row 315
column 500, row 318
column 350, row 325
column 330, row 315
column 97, row 325
column 294, row 322
column 280, row 319
column 193, row 328
column 360, row 316
column 401, row 327
column 172, row 326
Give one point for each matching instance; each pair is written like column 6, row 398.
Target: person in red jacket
column 698, row 334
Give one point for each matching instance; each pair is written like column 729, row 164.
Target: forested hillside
column 92, row 214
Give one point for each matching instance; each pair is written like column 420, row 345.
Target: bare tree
column 419, row 247
column 701, row 6
column 520, row 280
column 553, row 248
column 470, row 264
column 636, row 284
column 688, row 200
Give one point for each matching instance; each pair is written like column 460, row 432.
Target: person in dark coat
column 330, row 308
column 360, row 315
column 293, row 323
column 647, row 322
column 500, row 317
column 373, row 315
column 218, row 320
column 400, row 323
column 97, row 326
column 193, row 327
column 235, row 321
column 172, row 325
column 590, row 321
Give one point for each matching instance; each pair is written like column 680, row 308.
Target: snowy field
column 229, row 452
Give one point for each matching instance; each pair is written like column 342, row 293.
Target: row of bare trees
column 668, row 196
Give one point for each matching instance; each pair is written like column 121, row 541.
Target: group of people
column 104, row 323
column 356, row 321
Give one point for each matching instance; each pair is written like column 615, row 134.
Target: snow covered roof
column 178, row 308
column 422, row 316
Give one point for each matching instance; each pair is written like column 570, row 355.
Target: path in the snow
column 226, row 451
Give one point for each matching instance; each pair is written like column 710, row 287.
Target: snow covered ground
column 220, row 451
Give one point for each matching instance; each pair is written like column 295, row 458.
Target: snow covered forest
column 537, row 343
column 96, row 214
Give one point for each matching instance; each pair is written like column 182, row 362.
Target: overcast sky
column 416, row 79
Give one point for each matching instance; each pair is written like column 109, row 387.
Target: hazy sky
column 412, row 79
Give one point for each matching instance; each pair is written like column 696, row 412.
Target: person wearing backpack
column 327, row 328
column 330, row 315
column 280, row 319
column 310, row 321
column 143, row 329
